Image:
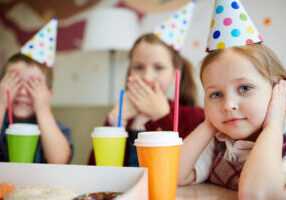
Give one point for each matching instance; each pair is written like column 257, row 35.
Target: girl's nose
column 148, row 76
column 23, row 90
column 230, row 104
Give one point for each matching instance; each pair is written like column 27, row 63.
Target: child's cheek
column 256, row 113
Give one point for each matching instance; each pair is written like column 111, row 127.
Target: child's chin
column 23, row 114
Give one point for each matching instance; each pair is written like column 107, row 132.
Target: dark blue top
column 39, row 155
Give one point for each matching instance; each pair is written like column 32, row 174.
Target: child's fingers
column 134, row 100
column 30, row 89
column 137, row 88
column 157, row 88
column 144, row 86
column 9, row 76
column 140, row 84
column 133, row 92
column 12, row 75
column 15, row 81
column 33, row 83
column 17, row 84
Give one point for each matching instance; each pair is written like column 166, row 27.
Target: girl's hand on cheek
column 151, row 102
column 40, row 93
column 12, row 81
column 209, row 125
column 275, row 116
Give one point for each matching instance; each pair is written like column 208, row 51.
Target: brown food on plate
column 99, row 196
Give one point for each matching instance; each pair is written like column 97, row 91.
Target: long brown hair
column 264, row 59
column 188, row 89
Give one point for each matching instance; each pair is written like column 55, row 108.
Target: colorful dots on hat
column 221, row 45
column 249, row 30
column 42, row 53
column 243, row 17
column 249, row 41
column 174, row 29
column 219, row 9
column 231, row 26
column 212, row 23
column 227, row 21
column 41, row 44
column 41, row 47
column 234, row 5
column 216, row 34
column 235, row 33
column 158, row 34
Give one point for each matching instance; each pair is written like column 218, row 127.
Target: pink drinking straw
column 9, row 107
column 176, row 109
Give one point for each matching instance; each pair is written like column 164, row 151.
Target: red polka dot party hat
column 173, row 30
column 231, row 26
column 42, row 46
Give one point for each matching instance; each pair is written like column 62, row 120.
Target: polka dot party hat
column 231, row 26
column 42, row 46
column 174, row 29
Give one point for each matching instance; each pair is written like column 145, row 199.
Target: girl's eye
column 138, row 68
column 215, row 95
column 159, row 68
column 244, row 88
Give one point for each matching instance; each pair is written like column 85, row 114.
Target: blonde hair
column 48, row 72
column 188, row 89
column 264, row 59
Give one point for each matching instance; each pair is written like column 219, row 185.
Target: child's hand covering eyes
column 11, row 81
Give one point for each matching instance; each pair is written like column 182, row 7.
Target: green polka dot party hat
column 173, row 30
column 231, row 26
column 42, row 46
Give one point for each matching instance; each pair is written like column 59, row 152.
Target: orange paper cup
column 160, row 153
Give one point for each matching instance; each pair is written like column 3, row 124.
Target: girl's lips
column 234, row 120
column 22, row 103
